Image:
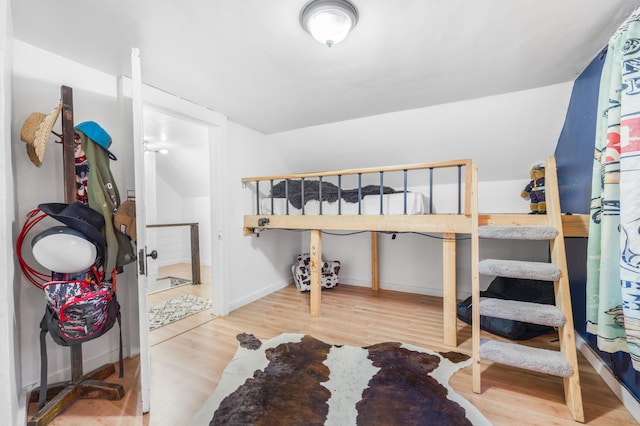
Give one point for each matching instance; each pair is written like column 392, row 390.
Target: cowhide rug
column 295, row 379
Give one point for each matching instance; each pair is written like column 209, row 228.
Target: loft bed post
column 375, row 269
column 315, row 264
column 449, row 301
column 89, row 386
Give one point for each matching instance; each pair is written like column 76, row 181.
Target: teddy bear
column 534, row 191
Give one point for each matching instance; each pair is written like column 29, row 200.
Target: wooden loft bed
column 448, row 224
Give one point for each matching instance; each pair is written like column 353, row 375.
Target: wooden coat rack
column 81, row 386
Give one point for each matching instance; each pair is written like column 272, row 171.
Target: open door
column 141, row 228
column 145, row 95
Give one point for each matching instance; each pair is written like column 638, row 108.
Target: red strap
column 113, row 280
column 34, row 276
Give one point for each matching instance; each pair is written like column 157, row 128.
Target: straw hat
column 35, row 132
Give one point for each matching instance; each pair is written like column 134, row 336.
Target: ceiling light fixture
column 329, row 21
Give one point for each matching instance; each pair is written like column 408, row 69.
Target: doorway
column 177, row 155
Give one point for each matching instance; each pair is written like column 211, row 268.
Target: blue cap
column 97, row 134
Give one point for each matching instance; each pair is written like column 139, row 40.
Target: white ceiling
column 251, row 61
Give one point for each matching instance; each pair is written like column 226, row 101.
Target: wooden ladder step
column 518, row 232
column 533, row 359
column 519, row 269
column 534, row 313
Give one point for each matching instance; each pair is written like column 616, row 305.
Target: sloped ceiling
column 251, row 61
column 185, row 167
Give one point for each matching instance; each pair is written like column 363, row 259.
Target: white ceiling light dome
column 329, row 21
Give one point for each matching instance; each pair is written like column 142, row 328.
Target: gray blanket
column 329, row 192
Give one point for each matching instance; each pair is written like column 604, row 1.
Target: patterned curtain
column 613, row 265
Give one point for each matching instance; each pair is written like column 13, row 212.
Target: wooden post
column 375, row 268
column 566, row 333
column 68, row 146
column 195, row 254
column 69, row 181
column 475, row 282
column 315, row 264
column 449, row 301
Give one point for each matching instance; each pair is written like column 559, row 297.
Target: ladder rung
column 534, row 313
column 519, row 269
column 517, row 232
column 534, row 359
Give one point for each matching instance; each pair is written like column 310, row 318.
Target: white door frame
column 217, row 124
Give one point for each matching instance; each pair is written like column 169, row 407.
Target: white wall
column 10, row 380
column 503, row 134
column 37, row 88
column 258, row 265
column 172, row 244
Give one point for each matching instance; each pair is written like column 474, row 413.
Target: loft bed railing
column 462, row 169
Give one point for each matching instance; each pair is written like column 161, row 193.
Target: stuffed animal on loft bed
column 534, row 191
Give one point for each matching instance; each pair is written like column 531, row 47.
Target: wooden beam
column 467, row 188
column 69, row 185
column 68, row 146
column 449, row 301
column 195, row 253
column 386, row 223
column 576, row 225
column 566, row 333
column 475, row 285
column 386, row 169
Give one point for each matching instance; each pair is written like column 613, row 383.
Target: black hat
column 80, row 217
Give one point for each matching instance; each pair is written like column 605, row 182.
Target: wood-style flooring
column 189, row 356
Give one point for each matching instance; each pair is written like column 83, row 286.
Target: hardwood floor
column 187, row 367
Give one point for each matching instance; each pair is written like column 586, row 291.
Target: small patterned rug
column 176, row 309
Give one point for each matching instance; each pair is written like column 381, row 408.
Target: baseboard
column 627, row 399
column 427, row 291
column 259, row 294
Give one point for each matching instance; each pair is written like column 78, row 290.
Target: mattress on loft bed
column 392, row 204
